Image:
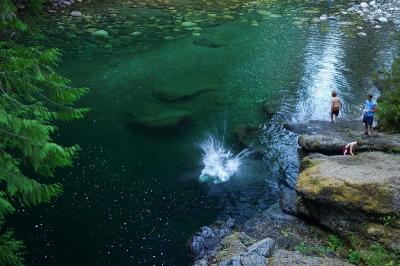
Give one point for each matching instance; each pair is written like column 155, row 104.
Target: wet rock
column 135, row 33
column 263, row 12
column 364, row 5
column 237, row 248
column 324, row 17
column 328, row 138
column 362, row 34
column 164, row 120
column 172, row 93
column 196, row 34
column 351, row 194
column 228, row 17
column 188, row 24
column 288, row 200
column 382, row 19
column 209, row 42
column 100, row 33
column 76, row 14
column 203, row 243
column 288, row 258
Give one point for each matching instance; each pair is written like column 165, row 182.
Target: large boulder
column 353, row 194
column 328, row 138
column 164, row 120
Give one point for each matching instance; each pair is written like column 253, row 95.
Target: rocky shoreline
column 344, row 209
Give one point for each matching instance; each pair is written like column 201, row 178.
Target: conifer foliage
column 32, row 98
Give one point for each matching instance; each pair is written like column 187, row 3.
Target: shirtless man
column 336, row 105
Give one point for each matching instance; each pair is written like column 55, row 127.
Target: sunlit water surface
column 134, row 196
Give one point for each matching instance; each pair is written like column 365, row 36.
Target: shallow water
column 134, row 197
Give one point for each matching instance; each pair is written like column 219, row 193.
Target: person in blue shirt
column 369, row 111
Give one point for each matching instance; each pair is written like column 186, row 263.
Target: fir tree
column 32, row 98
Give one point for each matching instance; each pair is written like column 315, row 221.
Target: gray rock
column 288, row 200
column 382, row 19
column 264, row 247
column 201, row 263
column 204, row 243
column 323, row 17
column 287, row 231
column 290, row 258
column 327, row 138
column 100, row 33
column 253, row 259
column 76, row 14
column 235, row 261
column 350, row 193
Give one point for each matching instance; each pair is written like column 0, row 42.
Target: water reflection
column 323, row 72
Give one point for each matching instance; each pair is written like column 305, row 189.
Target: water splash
column 220, row 163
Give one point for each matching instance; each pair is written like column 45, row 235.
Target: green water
column 133, row 197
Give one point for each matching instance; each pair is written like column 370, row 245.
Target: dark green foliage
column 10, row 249
column 334, row 242
column 312, row 250
column 32, row 97
column 378, row 255
column 389, row 103
column 354, row 257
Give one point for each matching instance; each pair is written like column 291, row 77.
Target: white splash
column 220, row 163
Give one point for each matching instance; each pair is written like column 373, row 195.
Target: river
column 134, row 196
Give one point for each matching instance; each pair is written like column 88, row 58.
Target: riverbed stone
column 163, row 120
column 188, row 24
column 211, row 42
column 135, row 33
column 382, row 19
column 263, row 12
column 323, row 17
column 76, row 13
column 100, row 33
column 176, row 92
